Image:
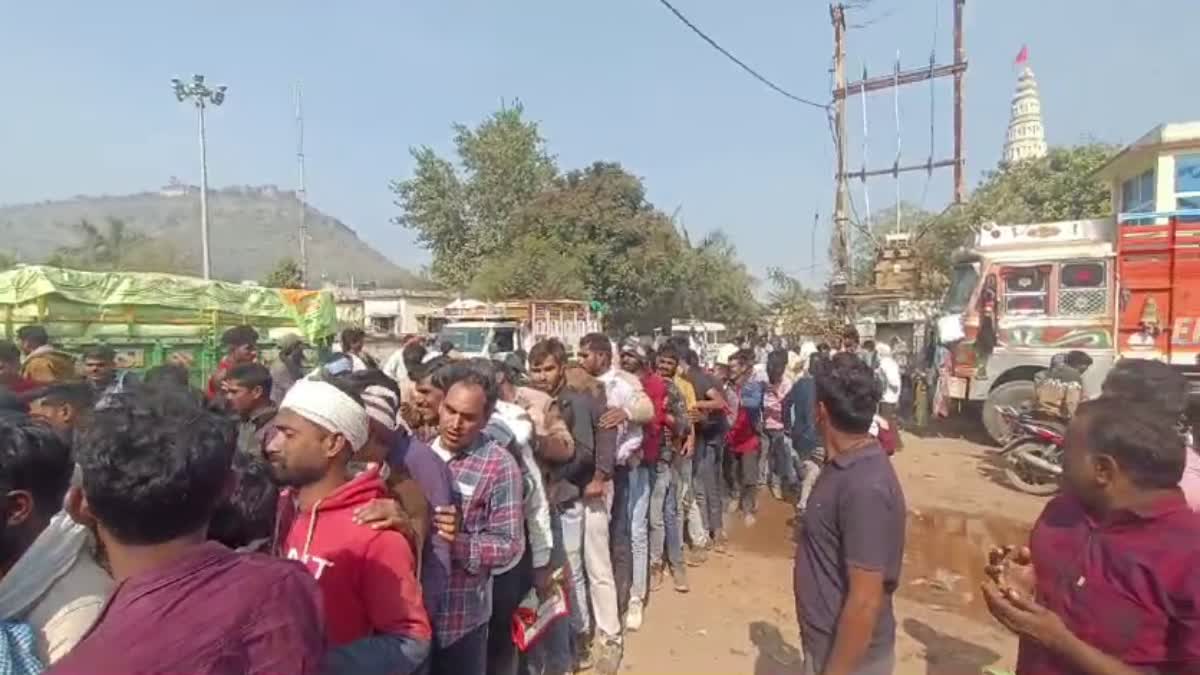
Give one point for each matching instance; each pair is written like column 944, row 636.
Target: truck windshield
column 464, row 339
column 962, row 283
column 505, row 340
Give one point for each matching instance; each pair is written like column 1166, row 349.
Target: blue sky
column 87, row 107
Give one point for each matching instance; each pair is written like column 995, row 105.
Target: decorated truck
column 1018, row 297
column 1112, row 288
column 150, row 319
column 496, row 329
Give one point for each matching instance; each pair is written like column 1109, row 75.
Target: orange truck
column 1119, row 287
column 1158, row 270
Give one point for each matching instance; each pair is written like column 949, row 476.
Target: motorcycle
column 1033, row 456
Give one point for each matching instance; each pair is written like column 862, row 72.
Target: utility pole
column 905, row 77
column 898, row 78
column 960, row 59
column 839, row 247
column 303, row 192
column 200, row 94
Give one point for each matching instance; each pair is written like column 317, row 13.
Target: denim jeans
column 743, row 475
column 508, row 590
column 639, row 514
column 706, row 472
column 660, row 485
column 670, row 478
column 554, row 653
column 468, row 654
column 780, row 460
column 689, row 517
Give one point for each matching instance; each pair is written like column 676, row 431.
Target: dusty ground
column 740, row 615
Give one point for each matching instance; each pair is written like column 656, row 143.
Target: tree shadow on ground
column 775, row 655
column 948, row 655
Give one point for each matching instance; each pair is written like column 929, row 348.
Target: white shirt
column 620, row 394
column 891, row 379
column 536, row 506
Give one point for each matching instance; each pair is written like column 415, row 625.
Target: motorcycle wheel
column 1026, row 478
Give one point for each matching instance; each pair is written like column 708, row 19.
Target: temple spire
column 1026, row 137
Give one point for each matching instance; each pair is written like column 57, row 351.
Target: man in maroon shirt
column 154, row 468
column 1109, row 584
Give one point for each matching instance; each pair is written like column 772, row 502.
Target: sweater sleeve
column 606, row 441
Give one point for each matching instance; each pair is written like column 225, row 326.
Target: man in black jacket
column 580, row 493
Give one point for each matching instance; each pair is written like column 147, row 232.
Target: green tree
column 796, row 310
column 505, row 223
column 1060, row 186
column 285, row 274
column 463, row 213
column 715, row 284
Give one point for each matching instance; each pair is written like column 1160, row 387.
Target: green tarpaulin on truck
column 52, row 295
column 151, row 319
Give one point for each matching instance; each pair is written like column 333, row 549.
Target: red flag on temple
column 1023, row 55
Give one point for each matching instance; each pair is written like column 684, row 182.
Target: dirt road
column 740, row 615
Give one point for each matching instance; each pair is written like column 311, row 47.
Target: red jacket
column 742, row 437
column 367, row 577
column 656, row 390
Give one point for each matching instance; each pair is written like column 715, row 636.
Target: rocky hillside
column 252, row 228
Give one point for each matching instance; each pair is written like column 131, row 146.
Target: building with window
column 1158, row 173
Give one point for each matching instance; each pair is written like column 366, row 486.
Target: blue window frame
column 1187, row 184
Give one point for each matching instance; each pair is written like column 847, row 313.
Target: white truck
column 495, row 330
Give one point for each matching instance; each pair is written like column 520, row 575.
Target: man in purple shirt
column 154, row 467
column 406, row 454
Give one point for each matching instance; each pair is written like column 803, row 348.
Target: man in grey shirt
column 851, row 540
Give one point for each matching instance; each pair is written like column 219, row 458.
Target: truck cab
column 485, row 339
column 1021, row 295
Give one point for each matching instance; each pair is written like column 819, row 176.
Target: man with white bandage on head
column 375, row 620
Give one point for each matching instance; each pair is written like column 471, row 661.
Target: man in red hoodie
column 374, row 616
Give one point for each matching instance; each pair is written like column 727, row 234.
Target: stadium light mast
column 201, row 96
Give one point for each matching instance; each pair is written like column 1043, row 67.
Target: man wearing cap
column 375, row 620
column 409, row 461
column 288, row 368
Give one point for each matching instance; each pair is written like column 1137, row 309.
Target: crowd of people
column 352, row 518
column 449, row 515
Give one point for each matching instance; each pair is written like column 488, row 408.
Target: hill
column 252, row 228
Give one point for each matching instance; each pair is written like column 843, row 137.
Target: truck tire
column 1018, row 394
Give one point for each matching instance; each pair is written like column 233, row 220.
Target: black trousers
column 508, row 589
column 620, row 538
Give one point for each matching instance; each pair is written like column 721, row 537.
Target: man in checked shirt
column 487, row 481
column 1109, row 583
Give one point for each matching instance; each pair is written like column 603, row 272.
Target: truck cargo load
column 150, row 319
